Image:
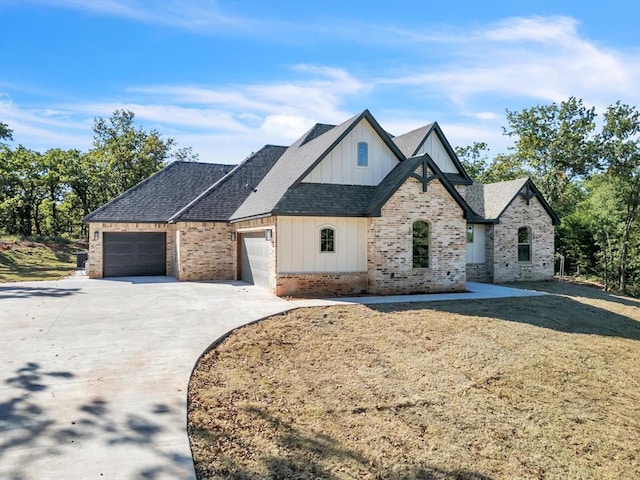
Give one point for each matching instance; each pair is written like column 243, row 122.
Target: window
column 363, row 154
column 327, row 236
column 420, row 244
column 469, row 233
column 524, row 244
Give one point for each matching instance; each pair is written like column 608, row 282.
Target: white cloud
column 540, row 58
column 189, row 14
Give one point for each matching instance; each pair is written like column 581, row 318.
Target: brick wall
column 477, row 272
column 321, row 284
column 95, row 264
column 389, row 242
column 506, row 267
column 205, row 251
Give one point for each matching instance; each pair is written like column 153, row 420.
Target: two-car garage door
column 134, row 254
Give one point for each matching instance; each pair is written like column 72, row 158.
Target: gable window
column 420, row 244
column 363, row 154
column 524, row 244
column 327, row 240
column 469, row 233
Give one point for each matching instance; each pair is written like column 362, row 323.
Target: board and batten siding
column 476, row 249
column 299, row 245
column 434, row 147
column 339, row 166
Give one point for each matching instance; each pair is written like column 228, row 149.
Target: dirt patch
column 537, row 387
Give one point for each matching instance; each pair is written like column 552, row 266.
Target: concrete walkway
column 476, row 291
column 94, row 373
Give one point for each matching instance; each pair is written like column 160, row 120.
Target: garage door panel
column 134, row 254
column 254, row 260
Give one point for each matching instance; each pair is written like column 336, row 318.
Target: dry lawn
column 535, row 388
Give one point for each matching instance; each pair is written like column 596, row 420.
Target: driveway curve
column 94, row 373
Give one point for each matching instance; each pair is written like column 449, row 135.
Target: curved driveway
column 94, row 373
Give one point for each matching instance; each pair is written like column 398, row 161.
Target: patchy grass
column 531, row 388
column 22, row 260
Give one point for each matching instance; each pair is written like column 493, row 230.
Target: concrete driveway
column 94, row 373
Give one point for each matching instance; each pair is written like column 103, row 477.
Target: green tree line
column 588, row 168
column 49, row 193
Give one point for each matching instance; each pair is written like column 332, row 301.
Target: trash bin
column 81, row 258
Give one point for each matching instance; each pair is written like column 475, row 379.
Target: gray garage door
column 134, row 254
column 254, row 260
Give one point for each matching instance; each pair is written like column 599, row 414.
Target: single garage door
column 134, row 254
column 254, row 259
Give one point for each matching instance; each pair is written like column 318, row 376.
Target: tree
column 557, row 143
column 621, row 152
column 126, row 154
column 5, row 132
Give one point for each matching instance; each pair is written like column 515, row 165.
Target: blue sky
column 226, row 77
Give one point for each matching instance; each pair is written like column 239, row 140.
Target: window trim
column 528, row 244
column 414, row 245
column 366, row 153
column 332, row 229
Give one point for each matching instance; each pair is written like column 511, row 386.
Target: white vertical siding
column 476, row 249
column 434, row 147
column 299, row 245
column 339, row 166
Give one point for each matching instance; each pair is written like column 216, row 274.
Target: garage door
column 134, row 254
column 254, row 260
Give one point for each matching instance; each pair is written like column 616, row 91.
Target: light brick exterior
column 504, row 239
column 390, row 242
column 95, row 263
column 198, row 251
column 204, row 251
column 327, row 284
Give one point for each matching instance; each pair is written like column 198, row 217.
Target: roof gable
column 297, row 162
column 431, row 140
column 339, row 165
column 491, row 200
column 161, row 195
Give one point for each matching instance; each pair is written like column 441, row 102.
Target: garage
column 134, row 254
column 254, row 258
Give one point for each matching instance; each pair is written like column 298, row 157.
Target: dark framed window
column 327, row 240
column 420, row 244
column 524, row 244
column 363, row 154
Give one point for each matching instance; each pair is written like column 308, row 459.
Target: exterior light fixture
column 96, row 235
column 233, row 236
column 268, row 234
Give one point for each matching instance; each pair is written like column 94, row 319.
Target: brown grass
column 538, row 387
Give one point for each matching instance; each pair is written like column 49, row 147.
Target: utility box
column 81, row 258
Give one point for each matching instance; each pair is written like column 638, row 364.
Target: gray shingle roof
column 409, row 142
column 160, row 196
column 299, row 159
column 317, row 130
column 491, row 200
column 221, row 199
column 322, row 199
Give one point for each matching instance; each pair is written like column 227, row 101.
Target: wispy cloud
column 541, row 58
column 188, row 14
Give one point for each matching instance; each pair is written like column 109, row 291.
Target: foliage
column 591, row 178
column 50, row 193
